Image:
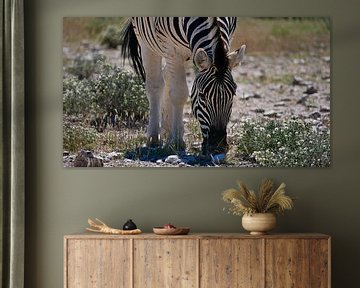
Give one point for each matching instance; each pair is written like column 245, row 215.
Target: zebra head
column 212, row 97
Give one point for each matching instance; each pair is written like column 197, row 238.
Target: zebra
column 205, row 40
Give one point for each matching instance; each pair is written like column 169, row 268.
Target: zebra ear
column 202, row 59
column 237, row 56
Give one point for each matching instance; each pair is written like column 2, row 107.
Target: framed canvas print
column 196, row 92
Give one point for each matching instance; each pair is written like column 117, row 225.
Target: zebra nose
column 217, row 140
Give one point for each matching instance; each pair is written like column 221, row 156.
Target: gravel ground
column 285, row 86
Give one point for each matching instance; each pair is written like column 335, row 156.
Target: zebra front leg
column 154, row 85
column 166, row 107
column 178, row 93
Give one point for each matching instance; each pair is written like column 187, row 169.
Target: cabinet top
column 87, row 235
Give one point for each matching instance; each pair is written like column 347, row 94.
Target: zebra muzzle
column 215, row 143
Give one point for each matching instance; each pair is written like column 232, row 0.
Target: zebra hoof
column 154, row 142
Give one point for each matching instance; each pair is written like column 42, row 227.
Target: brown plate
column 171, row 231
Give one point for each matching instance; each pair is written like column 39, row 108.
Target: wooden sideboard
column 197, row 260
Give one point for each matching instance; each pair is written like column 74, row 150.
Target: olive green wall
column 58, row 200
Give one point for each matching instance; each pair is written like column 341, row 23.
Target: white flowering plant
column 291, row 143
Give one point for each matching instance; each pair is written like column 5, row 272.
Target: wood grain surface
column 231, row 263
column 197, row 261
column 287, row 263
column 98, row 263
column 165, row 263
column 320, row 263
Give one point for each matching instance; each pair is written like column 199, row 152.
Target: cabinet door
column 98, row 263
column 231, row 263
column 167, row 263
column 320, row 263
column 287, row 263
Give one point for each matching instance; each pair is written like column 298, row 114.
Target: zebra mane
column 221, row 60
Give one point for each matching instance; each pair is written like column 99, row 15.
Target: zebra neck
column 207, row 32
column 201, row 32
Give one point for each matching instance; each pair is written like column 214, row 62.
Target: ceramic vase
column 259, row 223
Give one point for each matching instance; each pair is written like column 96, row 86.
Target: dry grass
column 245, row 201
column 123, row 140
column 261, row 35
column 264, row 35
column 77, row 29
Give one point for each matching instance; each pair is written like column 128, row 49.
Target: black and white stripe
column 213, row 89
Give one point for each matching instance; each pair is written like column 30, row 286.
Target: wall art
column 196, row 92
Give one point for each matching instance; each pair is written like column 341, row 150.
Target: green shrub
column 96, row 25
column 85, row 65
column 111, row 38
column 110, row 88
column 76, row 138
column 284, row 144
column 78, row 96
column 122, row 90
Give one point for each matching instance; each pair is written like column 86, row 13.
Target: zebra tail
column 131, row 49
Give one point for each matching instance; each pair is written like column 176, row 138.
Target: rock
column 276, row 87
column 271, row 114
column 259, row 110
column 246, row 97
column 302, row 100
column 326, row 59
column 172, row 159
column 113, row 155
column 297, row 81
column 66, row 153
column 294, row 90
column 252, row 95
column 106, row 160
column 311, row 106
column 315, row 115
column 182, row 164
column 279, row 104
column 87, row 159
column 299, row 61
column 325, row 109
column 260, row 74
column 159, row 161
column 311, row 90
